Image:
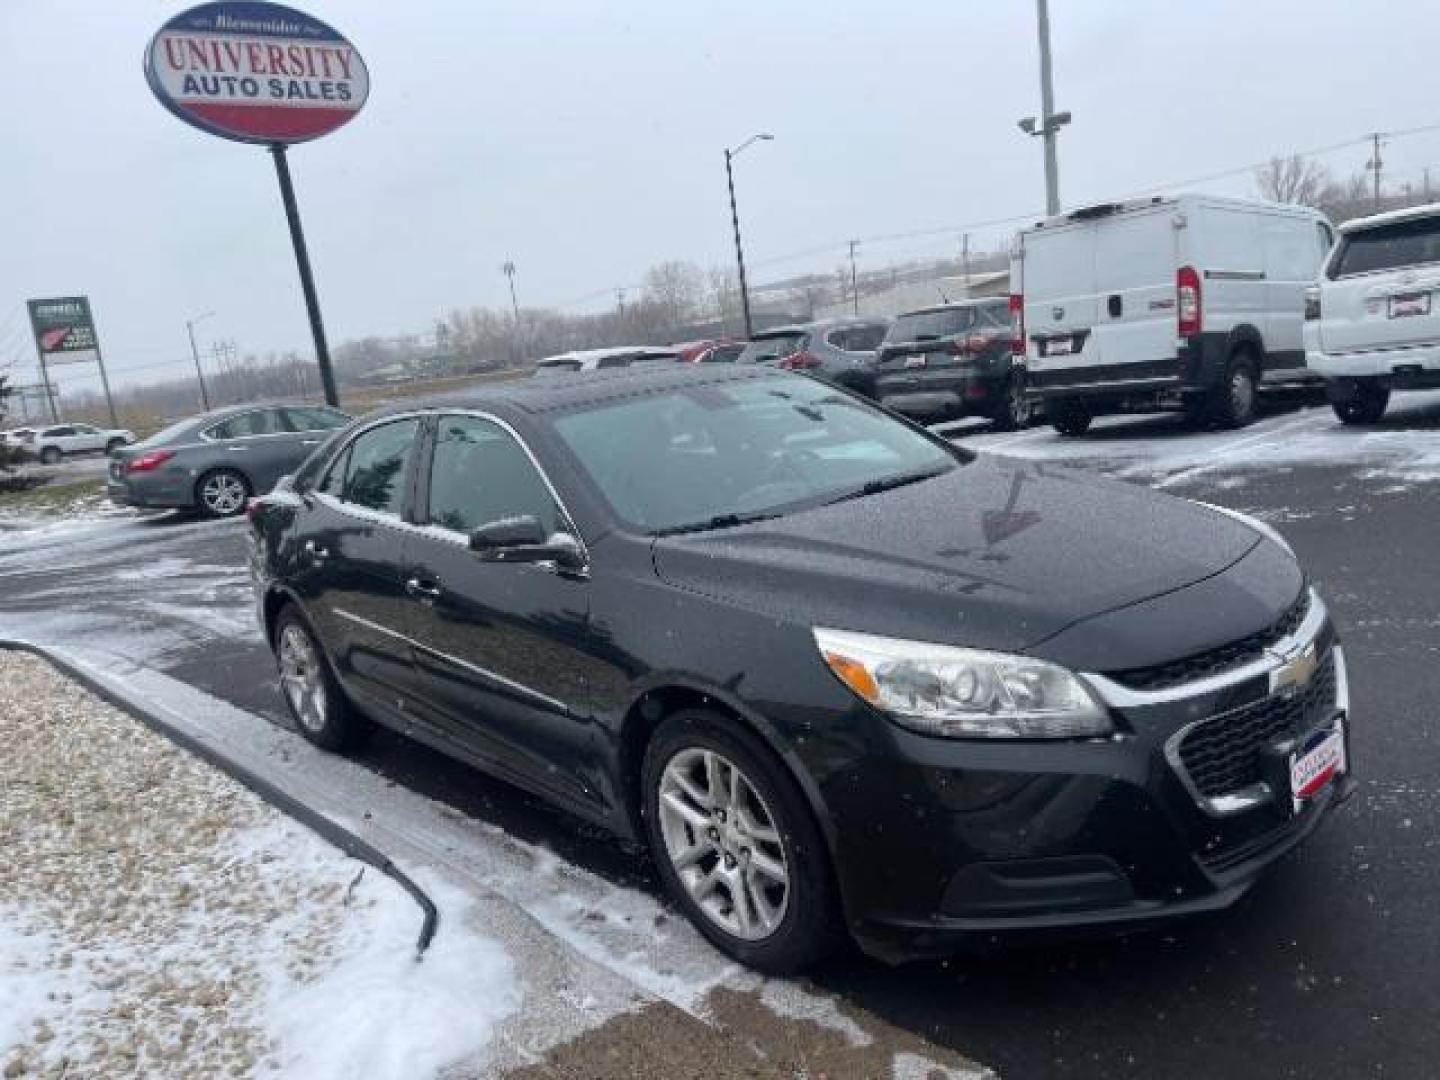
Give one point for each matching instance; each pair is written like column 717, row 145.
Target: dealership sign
column 256, row 72
column 64, row 329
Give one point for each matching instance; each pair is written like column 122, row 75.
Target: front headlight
column 963, row 693
column 1264, row 529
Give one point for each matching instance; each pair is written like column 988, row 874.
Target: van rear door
column 1057, row 266
column 1135, row 261
column 1383, row 288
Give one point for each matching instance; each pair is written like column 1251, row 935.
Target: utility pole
column 1427, row 183
column 509, row 271
column 730, row 156
column 965, row 261
column 195, row 353
column 1375, row 164
column 854, row 285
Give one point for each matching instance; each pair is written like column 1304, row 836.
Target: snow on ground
column 156, row 918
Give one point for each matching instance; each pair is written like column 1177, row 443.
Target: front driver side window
column 480, row 474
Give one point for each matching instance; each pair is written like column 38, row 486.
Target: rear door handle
column 423, row 589
column 318, row 552
column 309, row 442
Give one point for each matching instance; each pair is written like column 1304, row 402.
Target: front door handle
column 423, row 589
column 318, row 552
column 309, row 442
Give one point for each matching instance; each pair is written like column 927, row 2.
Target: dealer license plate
column 1409, row 305
column 1317, row 765
column 1060, row 346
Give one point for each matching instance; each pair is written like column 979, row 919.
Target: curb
column 286, row 803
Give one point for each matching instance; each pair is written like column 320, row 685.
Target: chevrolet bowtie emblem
column 1296, row 670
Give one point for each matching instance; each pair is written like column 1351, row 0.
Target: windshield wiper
column 719, row 521
column 886, row 483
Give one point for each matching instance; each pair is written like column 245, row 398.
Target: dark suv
column 839, row 350
column 840, row 674
column 953, row 360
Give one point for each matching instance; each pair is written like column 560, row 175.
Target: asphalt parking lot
column 1330, row 967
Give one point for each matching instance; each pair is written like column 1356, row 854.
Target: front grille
column 1221, row 754
column 1218, row 660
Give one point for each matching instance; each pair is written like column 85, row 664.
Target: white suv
column 1372, row 322
column 53, row 443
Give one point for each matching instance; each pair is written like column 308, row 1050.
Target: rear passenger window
column 375, row 467
column 255, row 422
column 314, row 419
column 857, row 338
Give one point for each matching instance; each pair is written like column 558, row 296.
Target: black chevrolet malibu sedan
column 840, row 674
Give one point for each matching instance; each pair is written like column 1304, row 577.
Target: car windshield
column 1388, row 247
column 771, row 347
column 942, row 322
column 717, row 454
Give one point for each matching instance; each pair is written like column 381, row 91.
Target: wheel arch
column 664, row 695
column 1246, row 338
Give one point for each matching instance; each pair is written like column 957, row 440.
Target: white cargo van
column 1192, row 301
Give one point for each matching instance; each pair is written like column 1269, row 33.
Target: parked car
column 1193, row 301
column 1372, row 323
column 840, row 350
column 51, row 444
column 17, row 437
column 602, row 359
column 953, row 360
column 215, row 462
column 839, row 673
column 709, row 352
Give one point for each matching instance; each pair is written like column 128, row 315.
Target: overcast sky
column 584, row 141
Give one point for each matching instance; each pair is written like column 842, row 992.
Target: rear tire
column 1014, row 411
column 318, row 706
column 51, row 455
column 1233, row 401
column 1070, row 418
column 1365, row 406
column 751, row 872
column 222, row 493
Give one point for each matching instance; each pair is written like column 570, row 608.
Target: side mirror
column 523, row 540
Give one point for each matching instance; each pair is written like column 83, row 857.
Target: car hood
column 996, row 554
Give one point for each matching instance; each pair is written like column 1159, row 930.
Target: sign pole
column 104, row 379
column 307, row 280
column 49, row 393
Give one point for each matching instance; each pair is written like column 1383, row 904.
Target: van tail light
column 1187, row 302
column 1017, row 324
column 800, row 361
column 149, row 462
column 1312, row 303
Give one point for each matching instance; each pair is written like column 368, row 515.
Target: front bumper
column 944, row 844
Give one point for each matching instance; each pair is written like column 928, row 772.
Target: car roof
column 956, row 305
column 536, row 396
column 1409, row 213
column 820, row 324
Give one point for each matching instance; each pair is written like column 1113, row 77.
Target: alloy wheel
column 301, row 678
column 223, row 494
column 723, row 844
column 1242, row 394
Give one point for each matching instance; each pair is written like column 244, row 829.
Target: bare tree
column 1293, row 179
column 675, row 289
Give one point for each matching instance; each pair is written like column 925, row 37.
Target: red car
column 709, row 352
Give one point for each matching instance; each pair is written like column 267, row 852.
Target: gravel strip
column 151, row 909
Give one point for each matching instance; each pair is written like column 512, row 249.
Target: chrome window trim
column 1276, row 656
column 499, row 680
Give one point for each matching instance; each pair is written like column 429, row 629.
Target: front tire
column 736, row 844
column 319, row 708
column 222, row 493
column 1233, row 404
column 1071, row 418
column 1366, row 405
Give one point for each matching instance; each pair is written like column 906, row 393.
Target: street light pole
column 509, row 271
column 1047, row 110
column 195, row 352
column 730, row 156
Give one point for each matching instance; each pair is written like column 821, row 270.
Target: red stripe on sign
column 271, row 121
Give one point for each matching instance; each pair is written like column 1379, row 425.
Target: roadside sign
column 64, row 329
column 256, row 72
column 65, row 334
